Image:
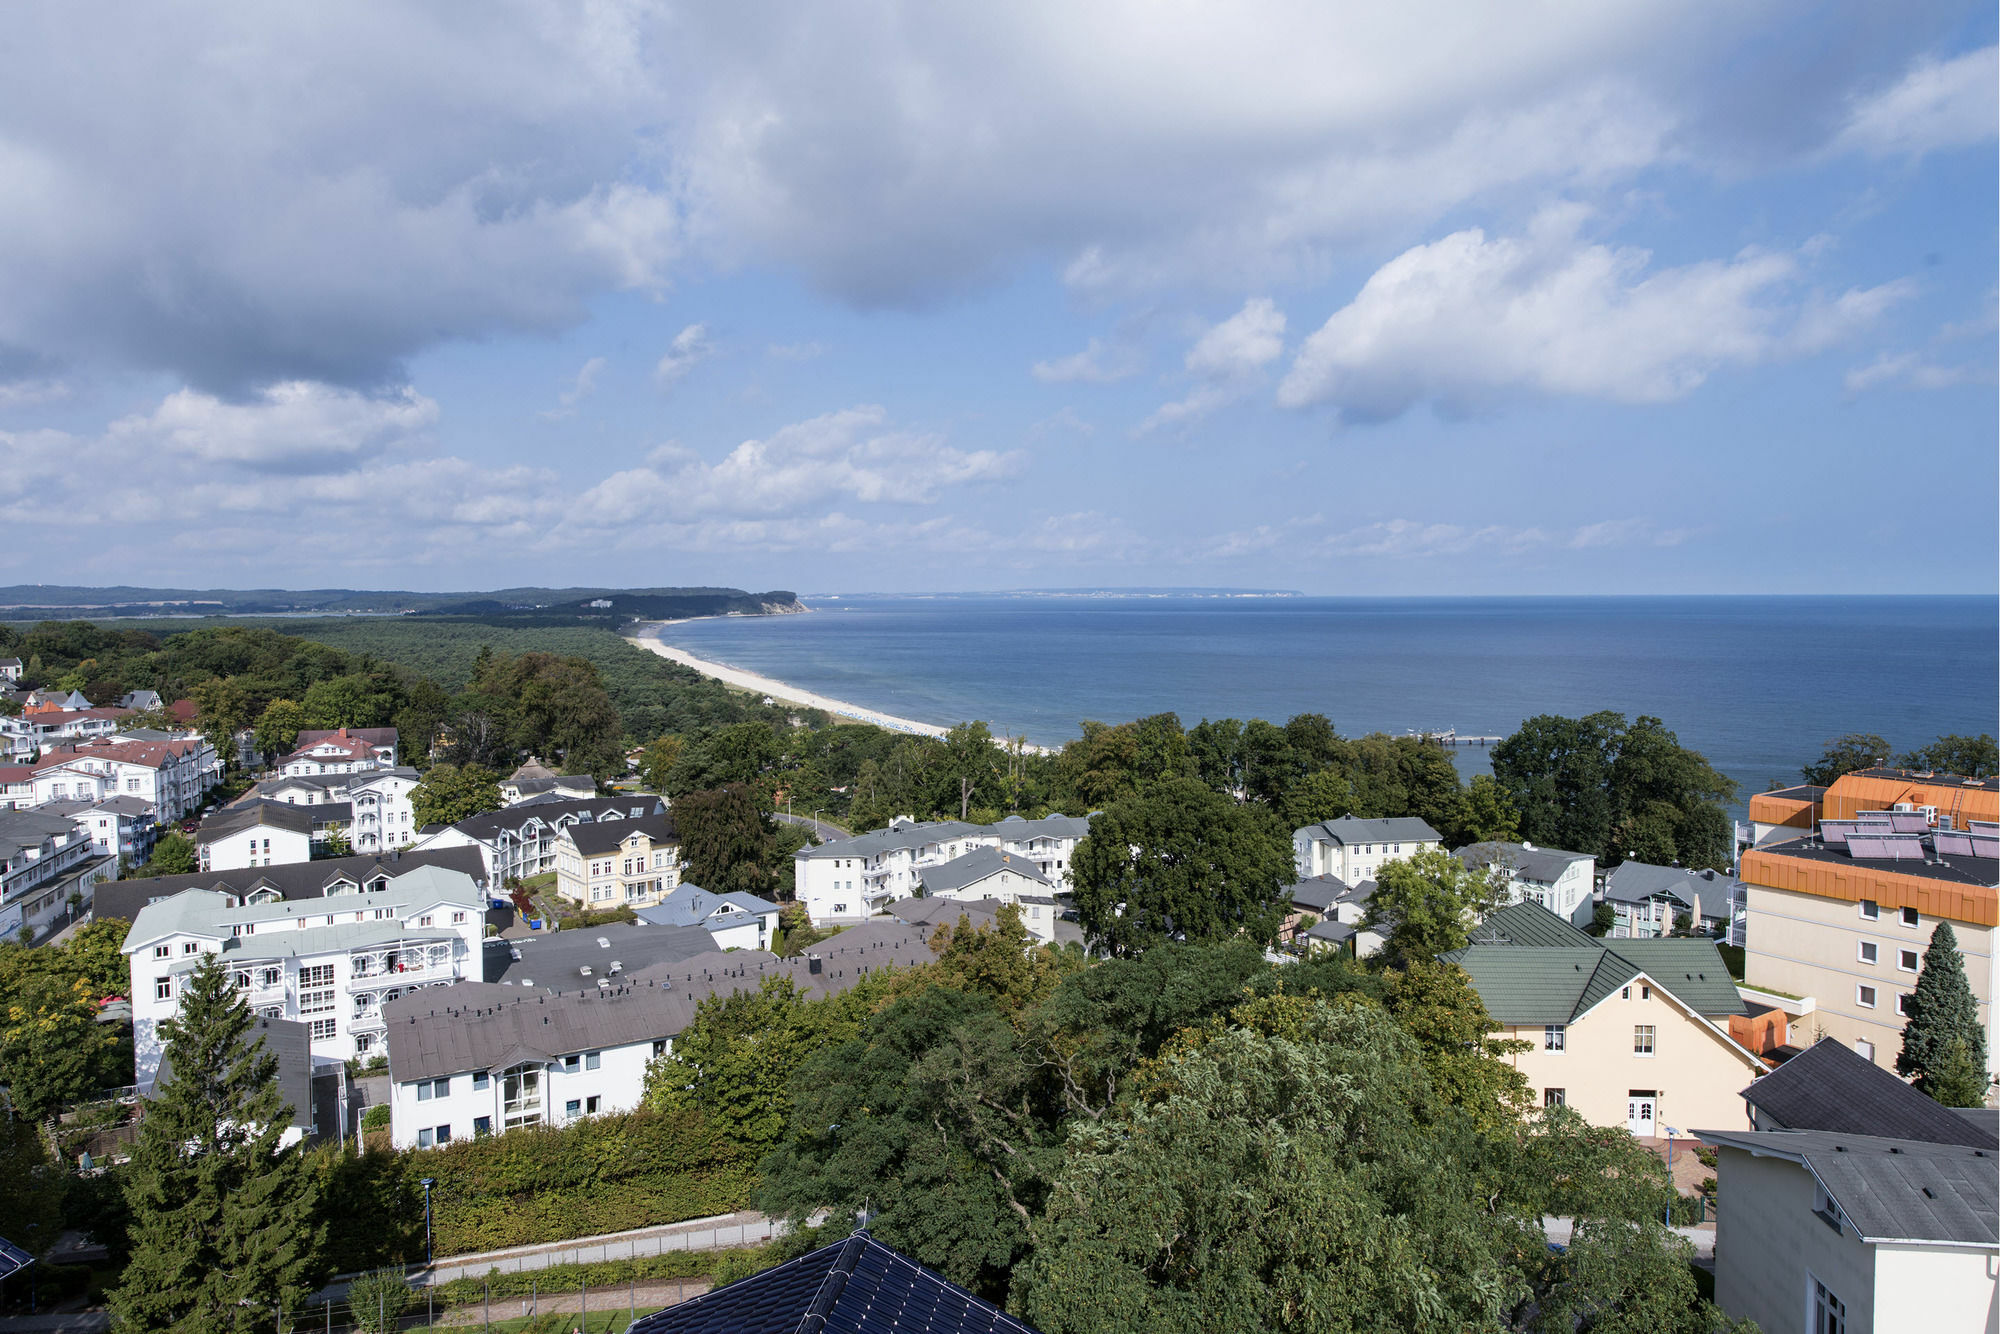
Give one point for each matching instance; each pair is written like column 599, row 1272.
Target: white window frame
column 1865, row 996
column 1868, row 952
column 1555, row 1037
column 1910, row 917
column 1648, row 1034
column 1916, row 961
column 1870, row 910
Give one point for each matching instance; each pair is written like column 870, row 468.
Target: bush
column 607, row 1274
column 1687, row 1210
column 376, row 1117
column 378, row 1300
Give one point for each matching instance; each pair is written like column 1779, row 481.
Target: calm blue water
column 1756, row 684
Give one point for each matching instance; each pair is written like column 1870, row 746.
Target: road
column 828, row 831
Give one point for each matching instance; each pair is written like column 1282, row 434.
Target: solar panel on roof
column 1887, row 847
column 12, row 1258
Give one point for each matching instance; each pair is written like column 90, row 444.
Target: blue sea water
column 1757, row 684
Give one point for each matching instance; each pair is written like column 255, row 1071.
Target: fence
column 636, row 1245
column 542, row 1307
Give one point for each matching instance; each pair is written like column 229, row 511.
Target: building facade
column 618, row 863
column 1844, row 914
column 856, row 878
column 517, row 843
column 258, row 833
column 344, row 750
column 1354, row 850
column 1562, row 882
column 331, row 962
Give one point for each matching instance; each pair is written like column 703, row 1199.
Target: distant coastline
column 648, row 638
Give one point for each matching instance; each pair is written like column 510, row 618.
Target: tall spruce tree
column 225, row 1233
column 1943, row 1015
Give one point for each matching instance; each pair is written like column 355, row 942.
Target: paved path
column 1558, row 1231
column 69, row 1322
column 828, row 831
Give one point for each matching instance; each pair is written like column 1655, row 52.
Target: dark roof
column 854, row 1286
column 1956, row 870
column 1542, row 865
column 1934, row 778
column 255, row 815
column 1319, row 893
column 1349, row 829
column 1798, row 792
column 488, row 1026
column 488, row 825
column 1828, row 1087
column 601, row 836
column 291, row 1043
column 975, row 866
column 1891, row 1189
column 299, row 880
column 557, row 959
column 934, row 913
column 1635, row 882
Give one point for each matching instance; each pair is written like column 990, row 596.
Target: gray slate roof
column 1319, row 893
column 1544, row 866
column 691, row 905
column 1636, row 882
column 488, row 826
column 557, row 959
column 254, row 815
column 975, row 866
column 298, row 880
column 291, row 1042
column 482, row 1026
column 933, row 913
column 1829, row 1087
column 1348, row 830
column 604, row 836
column 1891, row 1189
column 906, row 835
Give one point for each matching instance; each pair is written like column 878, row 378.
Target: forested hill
column 569, row 606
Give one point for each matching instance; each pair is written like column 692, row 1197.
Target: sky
column 864, row 295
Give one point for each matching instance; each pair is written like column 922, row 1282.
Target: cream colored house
column 618, row 863
column 1824, row 1231
column 1634, row 1036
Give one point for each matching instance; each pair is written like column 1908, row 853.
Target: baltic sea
column 1758, row 684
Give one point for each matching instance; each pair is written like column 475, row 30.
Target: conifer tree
column 224, row 1220
column 1943, row 1015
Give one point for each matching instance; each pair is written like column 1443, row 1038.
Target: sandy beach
column 777, row 690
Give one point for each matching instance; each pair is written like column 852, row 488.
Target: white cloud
column 1938, row 104
column 297, row 427
column 1468, row 319
column 690, row 346
column 797, row 351
column 809, row 465
column 1101, row 362
column 1226, row 361
column 581, row 387
column 1911, row 370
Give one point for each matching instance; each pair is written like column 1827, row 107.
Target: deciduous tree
column 450, row 793
column 1425, row 905
column 1845, row 754
column 1967, row 756
column 1179, row 862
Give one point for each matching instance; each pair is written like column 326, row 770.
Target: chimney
column 812, row 964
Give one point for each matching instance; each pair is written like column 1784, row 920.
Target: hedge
column 568, row 1278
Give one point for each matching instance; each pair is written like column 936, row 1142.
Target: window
column 1867, row 952
column 425, row 920
column 573, row 1108
column 162, row 951
column 1864, row 1049
column 458, row 919
column 1865, row 997
column 190, row 947
column 163, row 988
column 433, row 1088
column 659, row 1047
column 1625, row 994
column 1552, row 1037
column 1906, row 960
column 323, row 1030
column 590, row 1105
column 1829, row 1313
column 444, row 1134
column 1910, row 917
column 570, row 1064
column 1871, row 911
column 424, row 1138
column 1645, row 993
column 481, row 1081
column 1903, row 1005
column 1828, row 1208
column 1555, row 1097
column 315, row 1002
column 592, row 1060
column 521, row 1096
column 318, row 975
column 1642, row 1039
column 482, row 1125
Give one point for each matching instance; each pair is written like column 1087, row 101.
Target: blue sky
column 1445, row 299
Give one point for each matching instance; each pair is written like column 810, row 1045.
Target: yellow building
column 1626, row 1033
column 618, row 863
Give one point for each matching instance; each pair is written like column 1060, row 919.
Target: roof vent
column 603, row 942
column 1927, row 1192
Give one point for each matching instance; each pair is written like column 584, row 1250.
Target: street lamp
column 1671, row 1132
column 430, row 1255
column 430, row 1259
column 816, row 833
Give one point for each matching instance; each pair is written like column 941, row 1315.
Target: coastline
column 647, row 639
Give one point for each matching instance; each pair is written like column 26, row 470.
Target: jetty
column 1449, row 736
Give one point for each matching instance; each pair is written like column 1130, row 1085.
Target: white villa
column 855, row 878
column 331, row 962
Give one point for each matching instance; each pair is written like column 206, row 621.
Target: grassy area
column 548, row 1322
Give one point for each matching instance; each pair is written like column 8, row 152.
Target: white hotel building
column 855, row 878
column 330, row 962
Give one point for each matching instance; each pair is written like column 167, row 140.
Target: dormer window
column 1828, row 1209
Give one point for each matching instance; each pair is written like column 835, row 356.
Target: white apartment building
column 520, row 842
column 172, row 775
column 256, row 833
column 488, row 1058
column 1562, row 882
column 1352, row 849
column 735, row 921
column 44, row 859
column 380, row 816
column 855, row 878
column 344, row 750
column 31, row 733
column 17, row 787
column 331, row 962
column 118, row 827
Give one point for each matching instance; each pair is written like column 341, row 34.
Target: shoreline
column 648, row 639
